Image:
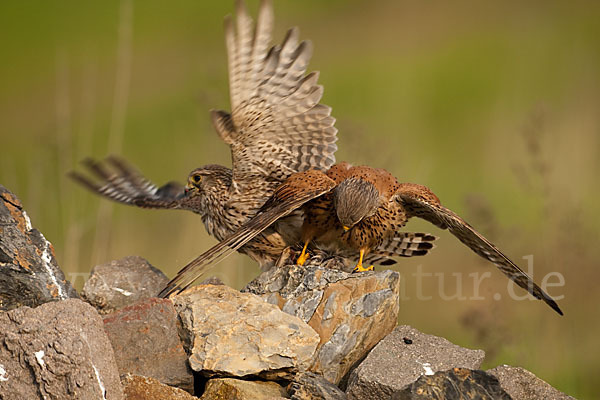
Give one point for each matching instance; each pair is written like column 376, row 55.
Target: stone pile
column 350, row 312
column 312, row 332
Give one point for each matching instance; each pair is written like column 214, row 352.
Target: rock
column 121, row 283
column 56, row 351
column 146, row 342
column 212, row 280
column 456, row 383
column 310, row 386
column 350, row 312
column 401, row 358
column 238, row 334
column 522, row 384
column 145, row 388
column 236, row 389
column 29, row 273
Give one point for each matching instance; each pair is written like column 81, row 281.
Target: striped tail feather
column 406, row 244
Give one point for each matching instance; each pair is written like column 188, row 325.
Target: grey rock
column 291, row 280
column 122, row 282
column 146, row 342
column 212, row 280
column 144, row 388
column 29, row 273
column 401, row 358
column 522, row 384
column 456, row 383
column 236, row 389
column 56, row 351
column 228, row 333
column 350, row 312
column 311, row 386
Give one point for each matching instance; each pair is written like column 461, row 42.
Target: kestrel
column 289, row 197
column 276, row 128
column 357, row 209
column 362, row 196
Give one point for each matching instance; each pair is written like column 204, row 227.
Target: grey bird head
column 354, row 200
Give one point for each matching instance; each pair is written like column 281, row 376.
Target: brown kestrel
column 276, row 128
column 356, row 209
column 289, row 197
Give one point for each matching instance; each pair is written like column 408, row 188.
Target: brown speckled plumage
column 398, row 202
column 322, row 222
column 297, row 190
column 276, row 128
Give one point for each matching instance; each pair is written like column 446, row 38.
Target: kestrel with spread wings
column 355, row 210
column 276, row 128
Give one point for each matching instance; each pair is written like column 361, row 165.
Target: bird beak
column 346, row 228
column 188, row 187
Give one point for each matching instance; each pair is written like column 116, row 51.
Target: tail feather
column 406, row 244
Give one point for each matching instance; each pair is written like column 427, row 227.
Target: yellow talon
column 302, row 259
column 359, row 267
column 303, row 256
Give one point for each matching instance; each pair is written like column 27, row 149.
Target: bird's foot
column 360, row 268
column 303, row 257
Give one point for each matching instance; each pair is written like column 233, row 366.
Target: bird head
column 207, row 179
column 355, row 199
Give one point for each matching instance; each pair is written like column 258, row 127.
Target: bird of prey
column 357, row 209
column 361, row 200
column 276, row 128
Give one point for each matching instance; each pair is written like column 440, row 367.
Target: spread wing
column 428, row 207
column 277, row 126
column 115, row 179
column 293, row 193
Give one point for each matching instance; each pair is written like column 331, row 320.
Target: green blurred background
column 494, row 105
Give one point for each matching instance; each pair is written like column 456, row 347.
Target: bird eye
column 197, row 178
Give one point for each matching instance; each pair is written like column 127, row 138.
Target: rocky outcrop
column 522, row 384
column 350, row 312
column 122, row 282
column 146, row 342
column 236, row 389
column 229, row 333
column 296, row 333
column 29, row 273
column 456, row 383
column 401, row 358
column 56, row 351
column 143, row 388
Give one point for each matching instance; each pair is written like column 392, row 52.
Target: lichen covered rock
column 229, row 333
column 401, row 358
column 236, row 389
column 56, row 351
column 29, row 273
column 120, row 283
column 455, row 383
column 311, row 386
column 350, row 312
column 522, row 384
column 146, row 342
column 138, row 387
